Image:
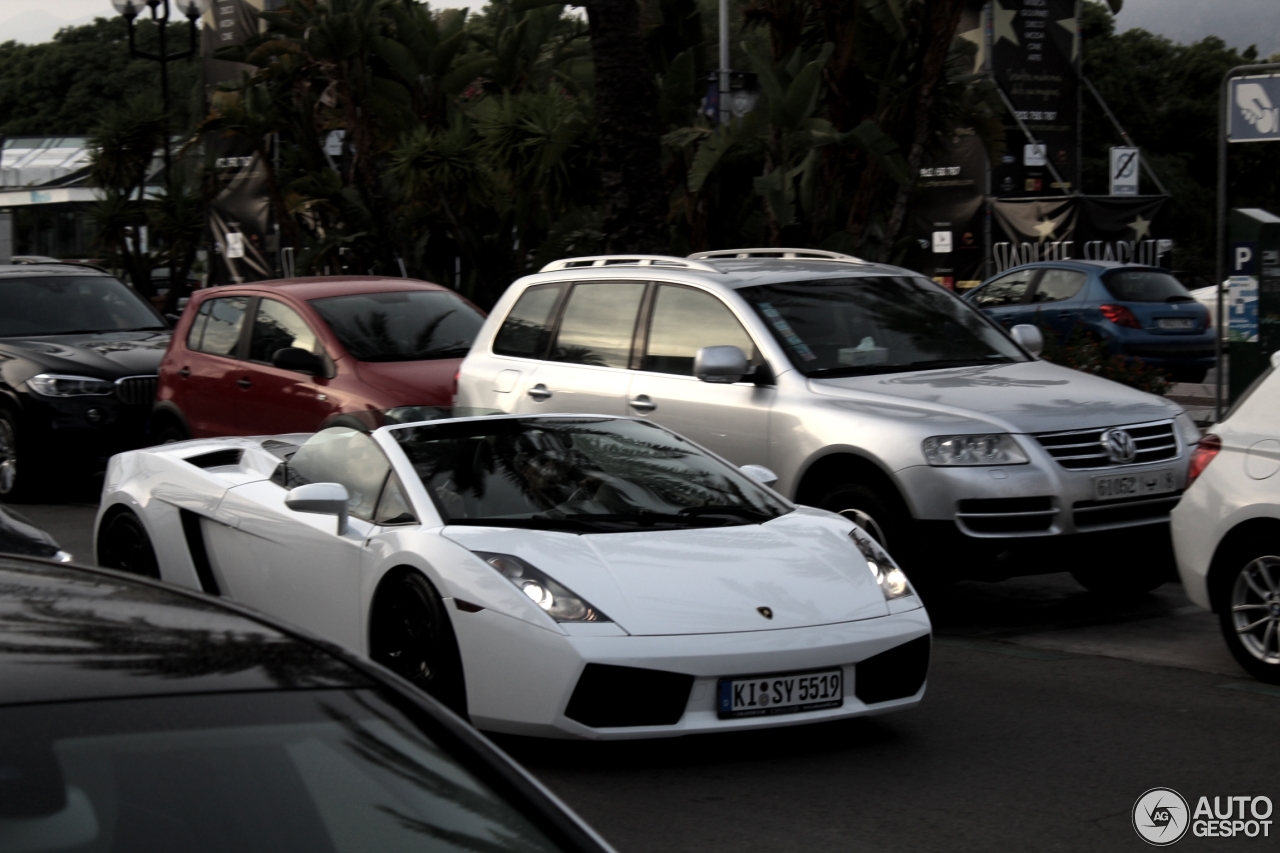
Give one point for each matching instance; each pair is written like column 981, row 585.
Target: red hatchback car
column 297, row 355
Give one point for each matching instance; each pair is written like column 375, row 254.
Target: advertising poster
column 1035, row 50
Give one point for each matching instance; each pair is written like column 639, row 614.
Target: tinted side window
column 599, row 323
column 1010, row 290
column 1057, row 285
column 221, row 331
column 684, row 321
column 277, row 327
column 527, row 330
column 346, row 456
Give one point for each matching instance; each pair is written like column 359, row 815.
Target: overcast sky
column 1239, row 22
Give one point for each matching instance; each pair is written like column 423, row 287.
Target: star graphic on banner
column 1046, row 228
column 1141, row 228
column 1004, row 23
column 1069, row 24
column 977, row 37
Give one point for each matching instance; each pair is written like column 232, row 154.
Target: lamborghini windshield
column 877, row 324
column 578, row 474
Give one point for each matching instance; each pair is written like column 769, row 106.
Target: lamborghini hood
column 801, row 569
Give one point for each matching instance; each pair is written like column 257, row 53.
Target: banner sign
column 1254, row 107
column 1124, row 171
column 1100, row 228
column 1035, row 53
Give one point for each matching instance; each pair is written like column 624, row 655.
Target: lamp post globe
column 193, row 9
column 128, row 8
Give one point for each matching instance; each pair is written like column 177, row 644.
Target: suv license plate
column 1134, row 485
column 769, row 695
column 1182, row 325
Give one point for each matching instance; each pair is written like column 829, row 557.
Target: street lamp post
column 193, row 9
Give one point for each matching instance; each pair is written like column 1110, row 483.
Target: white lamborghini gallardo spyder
column 555, row 575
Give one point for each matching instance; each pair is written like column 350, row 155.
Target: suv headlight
column 892, row 580
column 560, row 603
column 992, row 449
column 56, row 385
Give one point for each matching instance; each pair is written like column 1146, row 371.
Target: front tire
column 124, row 544
column 1249, row 612
column 410, row 634
column 168, row 431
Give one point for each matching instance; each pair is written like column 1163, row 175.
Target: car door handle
column 643, row 404
column 184, row 372
column 539, row 392
column 244, row 383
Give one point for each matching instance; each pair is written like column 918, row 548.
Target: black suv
column 79, row 352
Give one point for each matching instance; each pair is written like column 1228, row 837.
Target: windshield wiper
column 735, row 511
column 934, row 364
column 1180, row 298
column 579, row 525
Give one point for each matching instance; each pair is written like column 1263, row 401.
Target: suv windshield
column 401, row 326
column 1146, row 286
column 578, row 474
column 71, row 305
column 876, row 324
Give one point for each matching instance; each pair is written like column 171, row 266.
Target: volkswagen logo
column 1119, row 446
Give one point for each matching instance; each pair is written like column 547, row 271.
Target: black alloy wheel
column 124, row 544
column 410, row 634
column 169, row 431
column 1249, row 611
column 869, row 510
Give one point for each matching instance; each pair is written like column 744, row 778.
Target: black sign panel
column 1035, row 52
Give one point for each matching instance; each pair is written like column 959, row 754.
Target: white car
column 1226, row 529
column 553, row 575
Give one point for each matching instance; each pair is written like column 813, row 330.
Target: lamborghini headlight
column 992, row 449
column 560, row 603
column 890, row 577
column 56, row 385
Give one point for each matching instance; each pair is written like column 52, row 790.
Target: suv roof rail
column 779, row 254
column 628, row 261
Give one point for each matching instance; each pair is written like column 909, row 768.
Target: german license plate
column 770, row 695
column 1134, row 485
column 1181, row 324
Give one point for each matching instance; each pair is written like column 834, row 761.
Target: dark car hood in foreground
column 19, row 536
column 106, row 355
column 1027, row 397
column 67, row 633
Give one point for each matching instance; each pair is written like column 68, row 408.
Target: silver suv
column 870, row 390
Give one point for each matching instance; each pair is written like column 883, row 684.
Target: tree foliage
column 65, row 86
column 1166, row 97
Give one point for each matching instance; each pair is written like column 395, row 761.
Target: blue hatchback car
column 1138, row 311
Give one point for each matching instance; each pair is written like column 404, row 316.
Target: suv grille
column 1006, row 515
column 136, row 390
column 1081, row 449
column 1090, row 514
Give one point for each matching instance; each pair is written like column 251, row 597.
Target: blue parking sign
column 1254, row 109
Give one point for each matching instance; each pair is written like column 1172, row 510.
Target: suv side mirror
column 322, row 499
column 1028, row 337
column 722, row 365
column 296, row 358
